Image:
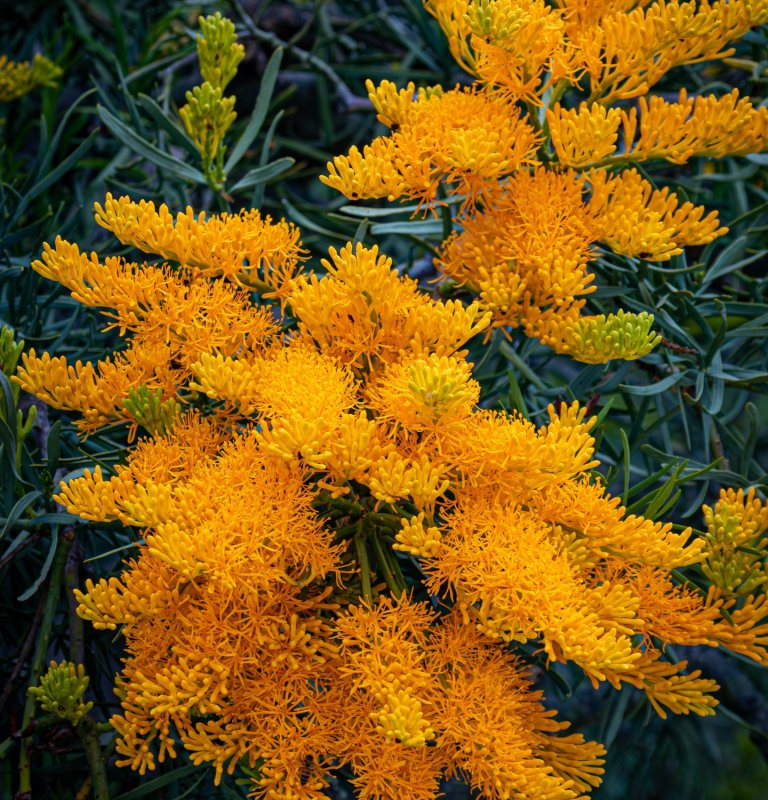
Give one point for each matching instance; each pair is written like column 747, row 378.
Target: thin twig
column 89, row 737
column 365, row 565
column 26, row 647
column 72, row 582
column 348, row 97
column 41, row 649
column 23, row 546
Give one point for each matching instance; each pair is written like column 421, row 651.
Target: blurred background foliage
column 674, row 426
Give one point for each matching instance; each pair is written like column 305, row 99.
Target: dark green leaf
column 144, row 148
column 263, row 174
column 177, row 133
column 154, row 785
column 259, row 113
column 18, row 509
column 46, row 568
column 659, row 386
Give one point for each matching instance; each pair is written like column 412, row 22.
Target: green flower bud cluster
column 208, row 113
column 61, row 691
column 207, row 117
column 218, row 51
column 621, row 335
column 150, row 411
column 10, row 352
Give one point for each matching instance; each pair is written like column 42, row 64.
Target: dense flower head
column 593, row 135
column 517, row 154
column 288, row 485
column 366, row 315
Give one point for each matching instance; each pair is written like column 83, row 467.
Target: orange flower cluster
column 301, row 494
column 547, row 78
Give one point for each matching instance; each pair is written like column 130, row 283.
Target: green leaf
column 264, row 174
column 44, row 164
column 8, row 468
column 662, row 512
column 670, row 325
column 259, row 113
column 178, row 135
column 112, row 552
column 304, row 221
column 694, row 506
column 16, row 543
column 257, row 196
column 361, row 232
column 728, row 260
column 53, row 446
column 604, row 412
column 693, row 470
column 8, row 407
column 152, row 786
column 659, row 386
column 18, row 509
column 626, row 461
column 144, row 148
column 54, row 518
column 153, row 67
column 650, row 480
column 46, row 566
column 731, row 373
column 714, row 346
column 56, row 173
column 559, row 681
column 371, row 212
column 757, row 327
column 120, row 44
column 516, row 399
column 427, row 227
column 617, row 717
column 509, row 352
column 654, row 501
column 753, row 432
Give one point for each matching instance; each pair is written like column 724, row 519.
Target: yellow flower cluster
column 676, row 132
column 547, row 77
column 176, row 314
column 452, row 136
column 298, row 491
column 19, row 78
column 246, row 249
